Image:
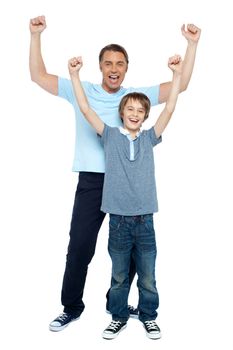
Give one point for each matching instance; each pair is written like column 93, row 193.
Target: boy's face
column 113, row 67
column 133, row 115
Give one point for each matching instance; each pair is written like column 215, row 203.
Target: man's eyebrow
column 108, row 61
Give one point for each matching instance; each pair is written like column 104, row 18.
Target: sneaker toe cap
column 55, row 324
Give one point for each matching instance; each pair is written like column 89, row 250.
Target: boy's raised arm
column 74, row 65
column 175, row 64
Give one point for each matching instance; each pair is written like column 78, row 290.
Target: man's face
column 113, row 67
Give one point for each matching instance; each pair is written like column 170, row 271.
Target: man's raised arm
column 39, row 75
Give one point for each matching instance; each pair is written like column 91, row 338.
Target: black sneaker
column 152, row 329
column 61, row 322
column 133, row 312
column 113, row 329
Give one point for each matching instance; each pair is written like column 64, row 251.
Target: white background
column 193, row 169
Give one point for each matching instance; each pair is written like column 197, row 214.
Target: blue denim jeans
column 132, row 236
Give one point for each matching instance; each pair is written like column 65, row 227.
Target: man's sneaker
column 133, row 312
column 61, row 322
column 152, row 329
column 113, row 329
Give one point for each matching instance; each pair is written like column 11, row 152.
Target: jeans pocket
column 149, row 223
column 115, row 222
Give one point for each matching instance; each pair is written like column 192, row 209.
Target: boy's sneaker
column 133, row 312
column 113, row 329
column 152, row 329
column 61, row 322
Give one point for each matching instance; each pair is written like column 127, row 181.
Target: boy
column 129, row 196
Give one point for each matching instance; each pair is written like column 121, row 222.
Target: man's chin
column 113, row 88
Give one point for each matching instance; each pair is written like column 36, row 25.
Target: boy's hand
column 37, row 24
column 192, row 34
column 75, row 64
column 175, row 63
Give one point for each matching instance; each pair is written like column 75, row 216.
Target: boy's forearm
column 84, row 106
column 169, row 108
column 174, row 92
column 79, row 93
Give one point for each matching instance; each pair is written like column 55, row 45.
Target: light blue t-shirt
column 89, row 153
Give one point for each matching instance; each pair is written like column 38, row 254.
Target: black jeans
column 86, row 221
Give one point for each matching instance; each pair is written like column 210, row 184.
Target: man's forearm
column 188, row 65
column 36, row 63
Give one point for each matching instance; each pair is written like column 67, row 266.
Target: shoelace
column 152, row 325
column 62, row 317
column 131, row 308
column 114, row 325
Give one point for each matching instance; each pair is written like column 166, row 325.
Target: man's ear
column 100, row 67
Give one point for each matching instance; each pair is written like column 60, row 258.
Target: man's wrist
column 192, row 44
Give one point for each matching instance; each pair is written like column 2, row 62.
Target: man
column 89, row 156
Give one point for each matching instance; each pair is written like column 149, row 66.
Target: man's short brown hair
column 115, row 48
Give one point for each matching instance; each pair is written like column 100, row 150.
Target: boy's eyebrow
column 137, row 108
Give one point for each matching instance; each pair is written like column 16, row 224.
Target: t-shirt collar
column 127, row 133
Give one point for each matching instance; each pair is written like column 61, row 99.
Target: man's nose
column 114, row 68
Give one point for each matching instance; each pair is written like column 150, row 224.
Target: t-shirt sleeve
column 65, row 89
column 105, row 135
column 153, row 138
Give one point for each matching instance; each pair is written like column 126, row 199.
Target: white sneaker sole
column 109, row 336
column 60, row 328
column 153, row 336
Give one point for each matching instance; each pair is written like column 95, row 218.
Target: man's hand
column 175, row 63
column 192, row 33
column 74, row 65
column 37, row 24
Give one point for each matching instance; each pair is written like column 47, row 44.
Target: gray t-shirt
column 129, row 182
